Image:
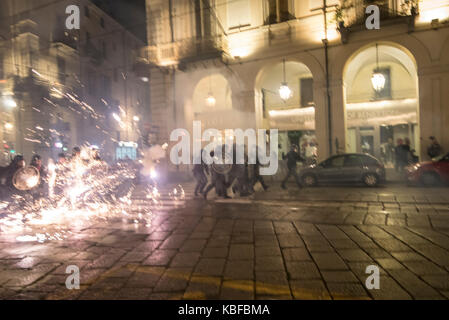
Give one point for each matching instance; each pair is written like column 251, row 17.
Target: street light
column 378, row 79
column 210, row 100
column 284, row 91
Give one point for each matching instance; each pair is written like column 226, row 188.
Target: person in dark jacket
column 7, row 174
column 199, row 172
column 292, row 157
column 434, row 150
column 256, row 173
column 36, row 161
column 218, row 181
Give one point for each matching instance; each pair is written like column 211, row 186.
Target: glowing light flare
column 8, row 126
column 210, row 100
column 378, row 81
column 285, row 92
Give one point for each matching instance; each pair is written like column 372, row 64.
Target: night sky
column 130, row 13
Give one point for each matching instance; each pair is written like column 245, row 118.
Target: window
column 385, row 93
column 334, row 162
column 352, row 161
column 278, row 11
column 87, row 36
column 102, row 22
column 368, row 161
column 239, row 14
column 306, row 89
column 86, row 11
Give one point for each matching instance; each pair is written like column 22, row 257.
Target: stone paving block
column 290, row 241
column 133, row 294
column 269, row 263
column 354, row 255
column 393, row 245
column 440, row 282
column 350, row 291
column 241, row 252
column 211, row 252
column 416, row 287
column 185, row 259
column 422, row 268
column 407, row 256
column 239, row 270
column 193, row 245
column 389, row 290
column 329, row 261
column 200, row 288
column 339, row 276
column 309, row 290
column 145, row 277
column 242, row 238
column 237, row 290
column 210, row 267
column 271, row 251
column 302, row 270
column 160, row 257
column 296, row 254
column 266, row 241
column 173, row 279
column 272, row 284
column 173, row 242
column 389, row 264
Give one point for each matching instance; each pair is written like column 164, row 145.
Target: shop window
column 306, row 89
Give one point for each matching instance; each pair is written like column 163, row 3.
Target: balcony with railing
column 351, row 14
column 186, row 51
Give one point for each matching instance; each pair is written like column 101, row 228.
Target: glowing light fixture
column 378, row 79
column 210, row 100
column 136, row 118
column 8, row 126
column 284, row 91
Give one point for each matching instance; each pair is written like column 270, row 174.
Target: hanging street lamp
column 284, row 91
column 378, row 79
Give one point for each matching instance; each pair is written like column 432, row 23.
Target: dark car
column 353, row 167
column 429, row 172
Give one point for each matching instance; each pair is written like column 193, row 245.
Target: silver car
column 353, row 167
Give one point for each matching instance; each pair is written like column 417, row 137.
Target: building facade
column 346, row 88
column 62, row 88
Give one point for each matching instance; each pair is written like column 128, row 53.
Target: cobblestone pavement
column 310, row 244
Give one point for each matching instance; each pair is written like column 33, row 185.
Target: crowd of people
column 8, row 188
column 402, row 155
column 241, row 177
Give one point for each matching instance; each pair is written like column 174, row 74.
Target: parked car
column 353, row 167
column 429, row 173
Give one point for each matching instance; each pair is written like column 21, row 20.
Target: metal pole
column 326, row 55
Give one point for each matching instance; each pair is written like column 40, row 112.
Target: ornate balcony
column 186, row 51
